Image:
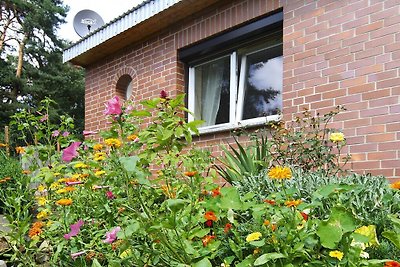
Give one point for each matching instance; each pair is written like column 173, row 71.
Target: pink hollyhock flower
column 112, row 235
column 110, row 195
column 86, row 133
column 70, row 152
column 77, row 254
column 55, row 133
column 75, row 228
column 65, row 134
column 113, row 106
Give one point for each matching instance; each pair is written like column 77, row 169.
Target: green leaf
column 230, row 199
column 96, row 263
column 202, row 263
column 393, row 237
column 129, row 230
column 129, row 163
column 140, row 113
column 176, row 204
column 267, row 257
column 199, row 233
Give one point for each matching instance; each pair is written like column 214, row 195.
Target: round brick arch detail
column 125, row 76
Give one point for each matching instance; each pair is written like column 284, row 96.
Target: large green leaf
column 230, row 199
column 393, row 237
column 331, row 231
column 202, row 263
column 129, row 163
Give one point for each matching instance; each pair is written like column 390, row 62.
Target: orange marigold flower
column 190, row 174
column 26, row 171
column 36, row 229
column 210, row 216
column 70, row 189
column 395, row 185
column 20, row 150
column 293, row 203
column 392, row 264
column 280, row 173
column 64, row 202
column 5, row 179
column 216, row 192
column 207, row 239
column 269, row 201
column 273, row 227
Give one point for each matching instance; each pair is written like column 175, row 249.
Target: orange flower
column 216, row 192
column 266, row 222
column 304, row 215
column 36, row 229
column 64, row 202
column 5, row 179
column 269, row 201
column 227, row 228
column 26, row 171
column 3, row 145
column 207, row 239
column 98, row 147
column 20, row 150
column 395, row 185
column 293, row 203
column 210, row 216
column 132, row 137
column 70, row 189
column 392, row 264
column 190, row 174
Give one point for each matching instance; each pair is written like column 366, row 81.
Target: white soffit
column 127, row 20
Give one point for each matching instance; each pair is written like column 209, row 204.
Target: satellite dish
column 87, row 21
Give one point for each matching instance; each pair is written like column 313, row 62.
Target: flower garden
column 146, row 196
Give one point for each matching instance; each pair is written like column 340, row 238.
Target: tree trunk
column 21, row 48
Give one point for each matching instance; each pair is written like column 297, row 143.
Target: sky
column 107, row 9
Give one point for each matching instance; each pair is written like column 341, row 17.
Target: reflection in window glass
column 212, row 92
column 263, row 85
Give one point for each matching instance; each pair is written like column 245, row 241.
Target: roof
column 136, row 24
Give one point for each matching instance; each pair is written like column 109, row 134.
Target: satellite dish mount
column 87, row 21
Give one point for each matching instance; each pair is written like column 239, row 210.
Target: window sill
column 242, row 124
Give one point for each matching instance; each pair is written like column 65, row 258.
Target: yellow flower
column 99, row 156
column 80, row 165
column 3, row 145
column 370, row 232
column 61, row 191
column 41, row 201
column 57, row 174
column 41, row 188
column 43, row 214
column 126, row 253
column 98, row 147
column 55, row 185
column 64, row 202
column 293, row 203
column 20, row 150
column 113, row 142
column 99, row 173
column 280, row 173
column 336, row 137
column 336, row 254
column 253, row 236
column 395, row 185
column 132, row 137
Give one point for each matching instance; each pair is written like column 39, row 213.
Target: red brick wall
column 335, row 53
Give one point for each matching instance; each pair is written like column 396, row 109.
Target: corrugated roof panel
column 128, row 20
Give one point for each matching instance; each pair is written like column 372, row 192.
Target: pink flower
column 163, row 94
column 110, row 195
column 113, row 107
column 65, row 134
column 86, row 133
column 112, row 235
column 55, row 133
column 77, row 254
column 75, row 228
column 44, row 118
column 70, row 152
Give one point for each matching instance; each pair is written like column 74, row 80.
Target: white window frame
column 236, row 94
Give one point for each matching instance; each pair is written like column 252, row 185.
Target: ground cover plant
column 145, row 196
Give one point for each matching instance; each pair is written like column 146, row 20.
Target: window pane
column 263, row 84
column 212, row 92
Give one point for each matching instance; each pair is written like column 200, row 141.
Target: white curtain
column 209, row 79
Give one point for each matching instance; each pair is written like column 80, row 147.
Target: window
column 124, row 87
column 236, row 78
column 242, row 87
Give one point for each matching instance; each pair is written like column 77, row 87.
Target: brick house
column 261, row 56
